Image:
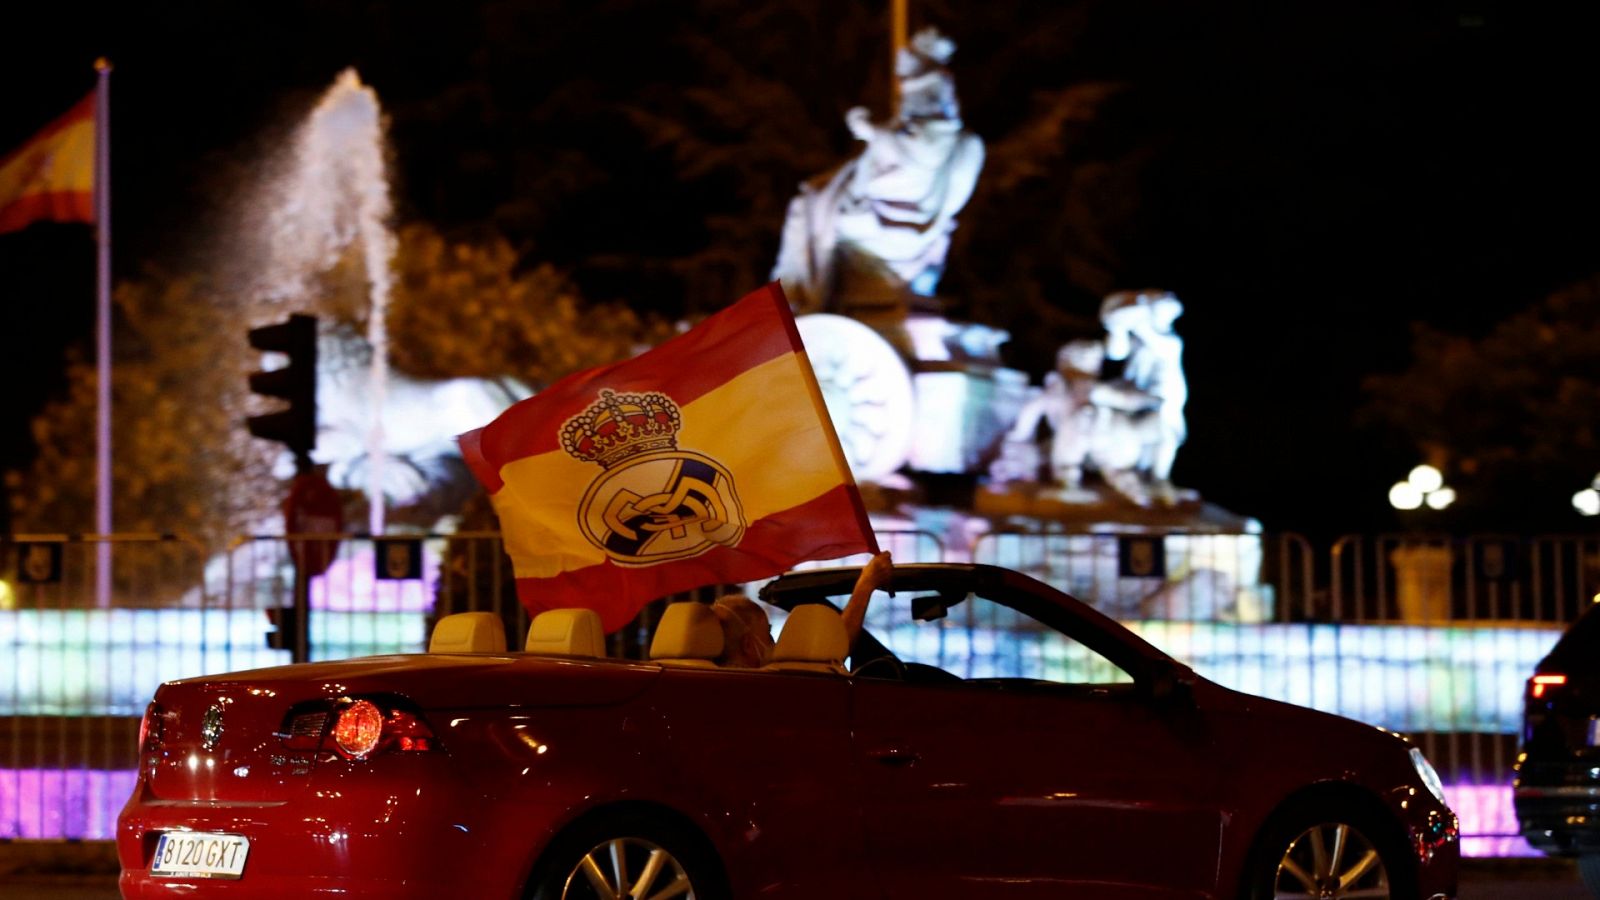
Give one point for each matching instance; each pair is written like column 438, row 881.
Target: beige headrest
column 688, row 630
column 567, row 632
column 812, row 633
column 468, row 632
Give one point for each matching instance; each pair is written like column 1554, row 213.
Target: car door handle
column 894, row 755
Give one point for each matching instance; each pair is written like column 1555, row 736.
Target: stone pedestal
column 962, row 412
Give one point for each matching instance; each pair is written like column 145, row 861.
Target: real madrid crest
column 653, row 503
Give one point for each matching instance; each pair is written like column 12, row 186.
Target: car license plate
column 199, row 854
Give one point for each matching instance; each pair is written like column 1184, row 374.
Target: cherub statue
column 1085, row 435
column 1128, row 429
column 1152, row 388
column 878, row 228
column 1064, row 403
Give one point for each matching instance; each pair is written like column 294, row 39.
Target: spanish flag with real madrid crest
column 707, row 460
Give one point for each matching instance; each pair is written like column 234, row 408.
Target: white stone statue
column 421, row 419
column 1152, row 388
column 1085, row 435
column 876, row 230
column 1128, row 429
column 1064, row 403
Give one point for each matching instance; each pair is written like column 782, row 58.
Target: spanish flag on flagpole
column 51, row 177
column 709, row 459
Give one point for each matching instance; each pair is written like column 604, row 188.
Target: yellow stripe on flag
column 51, row 177
column 751, row 424
column 538, row 513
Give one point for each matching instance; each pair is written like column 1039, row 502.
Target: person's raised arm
column 874, row 575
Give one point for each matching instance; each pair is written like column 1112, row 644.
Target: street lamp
column 1587, row 502
column 1426, row 478
column 1424, row 486
column 1405, row 495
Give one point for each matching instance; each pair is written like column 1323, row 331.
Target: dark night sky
column 1329, row 173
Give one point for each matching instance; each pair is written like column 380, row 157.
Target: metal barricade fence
column 367, row 595
column 382, row 595
column 1452, row 628
column 1229, row 604
column 1429, row 636
column 82, row 654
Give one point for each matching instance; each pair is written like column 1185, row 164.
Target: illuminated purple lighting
column 82, row 804
column 351, row 585
column 55, row 804
column 1488, row 821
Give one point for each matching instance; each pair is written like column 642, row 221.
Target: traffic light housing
column 295, row 426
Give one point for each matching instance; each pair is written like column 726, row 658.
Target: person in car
column 747, row 632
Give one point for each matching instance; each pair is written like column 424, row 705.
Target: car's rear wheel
column 626, row 857
column 1335, row 854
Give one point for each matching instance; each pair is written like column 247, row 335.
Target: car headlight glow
column 1427, row 774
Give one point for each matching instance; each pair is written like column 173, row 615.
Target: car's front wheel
column 1309, row 856
column 627, row 856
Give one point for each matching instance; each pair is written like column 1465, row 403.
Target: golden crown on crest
column 621, row 426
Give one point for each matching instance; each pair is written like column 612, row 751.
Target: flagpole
column 102, row 223
column 898, row 17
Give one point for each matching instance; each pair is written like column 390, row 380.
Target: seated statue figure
column 1127, row 429
column 1064, row 404
column 872, row 233
column 1152, row 388
column 1085, row 435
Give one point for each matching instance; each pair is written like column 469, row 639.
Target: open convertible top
column 953, row 582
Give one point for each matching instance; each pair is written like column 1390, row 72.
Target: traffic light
column 295, row 426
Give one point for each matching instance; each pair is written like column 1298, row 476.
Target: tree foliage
column 757, row 106
column 183, row 461
column 1515, row 413
column 464, row 309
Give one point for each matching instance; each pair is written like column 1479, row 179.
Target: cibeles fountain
column 1087, row 454
column 917, row 398
column 381, row 433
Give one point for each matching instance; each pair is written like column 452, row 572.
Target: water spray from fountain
column 334, row 197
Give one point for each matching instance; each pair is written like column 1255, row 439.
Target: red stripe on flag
column 715, row 352
column 768, row 548
column 55, row 206
column 472, row 454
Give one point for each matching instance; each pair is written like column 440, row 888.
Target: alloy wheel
column 1328, row 861
column 628, row 869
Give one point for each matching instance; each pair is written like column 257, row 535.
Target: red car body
column 779, row 784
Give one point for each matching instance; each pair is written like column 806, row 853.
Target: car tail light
column 1539, row 685
column 150, row 728
column 356, row 728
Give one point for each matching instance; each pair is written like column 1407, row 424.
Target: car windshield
column 981, row 638
column 955, row 621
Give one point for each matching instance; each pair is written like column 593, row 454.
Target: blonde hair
column 741, row 617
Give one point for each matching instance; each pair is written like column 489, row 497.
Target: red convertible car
column 996, row 738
